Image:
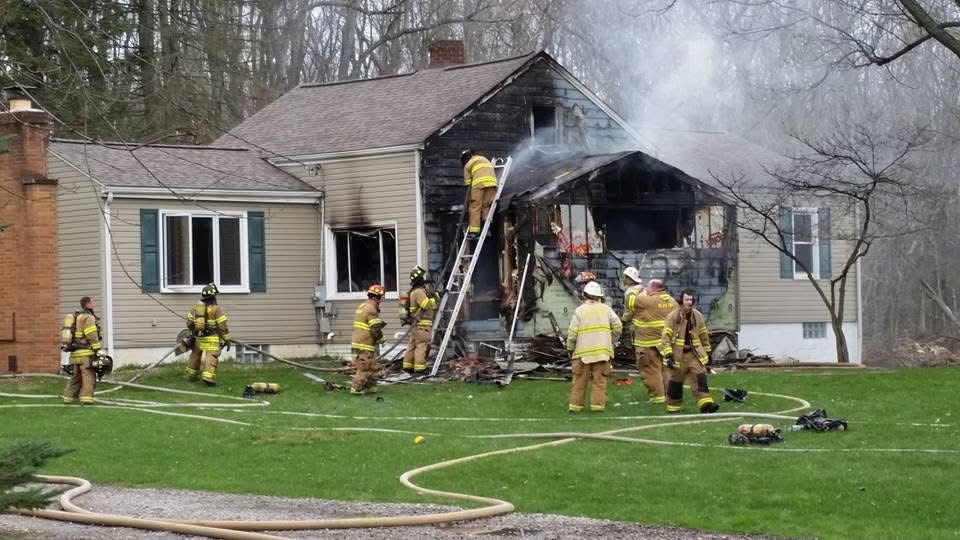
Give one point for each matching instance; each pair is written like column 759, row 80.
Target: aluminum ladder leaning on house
column 459, row 280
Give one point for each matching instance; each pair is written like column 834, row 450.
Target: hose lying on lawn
column 230, row 529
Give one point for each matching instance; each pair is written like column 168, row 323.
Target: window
column 544, row 127
column 814, row 330
column 362, row 257
column 201, row 248
column 577, row 233
column 251, row 353
column 805, row 243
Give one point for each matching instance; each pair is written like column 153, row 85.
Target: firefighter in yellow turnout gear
column 593, row 330
column 208, row 323
column 685, row 347
column 84, row 349
column 367, row 335
column 651, row 308
column 423, row 305
column 481, row 180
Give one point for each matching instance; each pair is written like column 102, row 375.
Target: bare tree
column 865, row 181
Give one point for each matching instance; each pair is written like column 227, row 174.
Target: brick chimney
column 29, row 270
column 446, row 52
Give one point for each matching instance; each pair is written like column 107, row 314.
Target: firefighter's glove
column 381, row 341
column 670, row 362
column 226, row 345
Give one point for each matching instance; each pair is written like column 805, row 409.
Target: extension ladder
column 459, row 280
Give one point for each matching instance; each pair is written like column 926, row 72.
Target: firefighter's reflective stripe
column 426, row 323
column 592, row 330
column 365, row 323
column 479, row 172
column 648, row 324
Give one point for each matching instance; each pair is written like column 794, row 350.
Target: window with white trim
column 252, row 353
column 198, row 248
column 805, row 245
column 814, row 330
column 365, row 256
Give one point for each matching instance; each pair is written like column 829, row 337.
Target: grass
column 841, row 488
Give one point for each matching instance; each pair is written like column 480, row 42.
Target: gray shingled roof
column 705, row 154
column 370, row 113
column 176, row 167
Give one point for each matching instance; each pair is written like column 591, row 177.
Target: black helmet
column 465, row 156
column 417, row 274
column 209, row 291
column 102, row 365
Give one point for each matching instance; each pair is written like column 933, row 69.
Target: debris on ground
column 735, row 394
column 943, row 351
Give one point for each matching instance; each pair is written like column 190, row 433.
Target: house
column 336, row 186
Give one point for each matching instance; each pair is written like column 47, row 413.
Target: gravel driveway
column 199, row 505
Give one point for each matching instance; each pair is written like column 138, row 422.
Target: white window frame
column 557, row 122
column 244, row 286
column 330, row 261
column 814, row 214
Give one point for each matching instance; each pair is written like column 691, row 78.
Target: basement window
column 362, row 257
column 814, row 330
column 203, row 247
column 544, row 125
column 251, row 354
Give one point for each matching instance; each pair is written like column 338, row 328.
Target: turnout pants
column 480, row 201
column 596, row 373
column 366, row 367
column 417, row 349
column 687, row 367
column 82, row 383
column 210, row 361
column 650, row 366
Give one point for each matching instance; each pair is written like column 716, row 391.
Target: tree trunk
column 843, row 353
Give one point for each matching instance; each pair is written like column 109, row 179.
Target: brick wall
column 29, row 322
column 447, row 52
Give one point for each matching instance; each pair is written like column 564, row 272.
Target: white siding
column 80, row 236
column 365, row 191
column 284, row 314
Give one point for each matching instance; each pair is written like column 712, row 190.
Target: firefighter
column 685, row 347
column 632, row 286
column 650, row 312
column 481, row 180
column 423, row 305
column 581, row 281
column 367, row 334
column 85, row 349
column 208, row 323
column 593, row 330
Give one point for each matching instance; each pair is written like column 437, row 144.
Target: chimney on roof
column 18, row 97
column 446, row 52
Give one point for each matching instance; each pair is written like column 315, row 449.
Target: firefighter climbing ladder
column 459, row 280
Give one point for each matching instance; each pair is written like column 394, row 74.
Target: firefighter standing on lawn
column 208, row 323
column 367, row 334
column 593, row 330
column 85, row 349
column 651, row 309
column 423, row 305
column 481, row 180
column 685, row 347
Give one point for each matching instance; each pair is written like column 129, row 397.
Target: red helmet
column 377, row 289
column 584, row 277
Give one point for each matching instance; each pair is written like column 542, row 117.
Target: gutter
column 224, row 195
column 312, row 159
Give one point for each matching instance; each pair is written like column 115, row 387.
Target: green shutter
column 786, row 229
column 823, row 229
column 257, row 252
column 149, row 250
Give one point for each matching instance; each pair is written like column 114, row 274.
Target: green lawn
column 848, row 485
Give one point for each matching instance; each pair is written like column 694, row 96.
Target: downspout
column 108, row 273
column 419, row 206
column 859, row 304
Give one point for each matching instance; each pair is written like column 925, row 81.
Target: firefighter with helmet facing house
column 208, row 323
column 367, row 335
column 421, row 309
column 481, row 179
column 650, row 310
column 594, row 328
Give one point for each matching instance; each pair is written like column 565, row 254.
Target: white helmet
column 632, row 273
column 593, row 289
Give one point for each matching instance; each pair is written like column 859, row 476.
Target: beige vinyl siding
column 284, row 314
column 766, row 298
column 363, row 191
column 80, row 236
